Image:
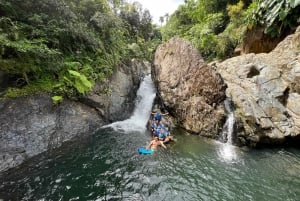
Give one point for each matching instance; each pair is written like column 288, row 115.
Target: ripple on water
column 109, row 168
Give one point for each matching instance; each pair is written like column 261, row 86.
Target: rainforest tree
column 216, row 28
column 71, row 43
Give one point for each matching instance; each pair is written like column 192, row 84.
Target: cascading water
column 228, row 127
column 230, row 122
column 227, row 150
column 138, row 121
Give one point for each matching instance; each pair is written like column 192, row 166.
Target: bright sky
column 159, row 8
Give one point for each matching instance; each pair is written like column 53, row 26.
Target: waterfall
column 228, row 151
column 143, row 104
column 229, row 125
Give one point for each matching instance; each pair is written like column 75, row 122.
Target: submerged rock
column 192, row 91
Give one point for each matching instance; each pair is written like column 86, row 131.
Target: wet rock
column 114, row 99
column 265, row 90
column 32, row 125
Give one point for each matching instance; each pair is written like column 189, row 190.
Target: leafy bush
column 44, row 85
column 275, row 15
column 73, row 42
column 232, row 36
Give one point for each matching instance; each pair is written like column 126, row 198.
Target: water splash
column 228, row 151
column 138, row 121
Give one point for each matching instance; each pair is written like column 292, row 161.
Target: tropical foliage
column 65, row 46
column 217, row 27
column 276, row 16
column 72, row 43
column 208, row 25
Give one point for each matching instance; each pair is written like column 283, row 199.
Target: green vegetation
column 276, row 16
column 70, row 43
column 65, row 46
column 57, row 99
column 217, row 27
column 35, row 87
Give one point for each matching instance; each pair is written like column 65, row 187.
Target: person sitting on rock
column 167, row 134
column 158, row 115
column 157, row 132
column 154, row 125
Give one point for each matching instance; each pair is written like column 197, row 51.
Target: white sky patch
column 159, row 8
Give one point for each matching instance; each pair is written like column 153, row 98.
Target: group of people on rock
column 160, row 131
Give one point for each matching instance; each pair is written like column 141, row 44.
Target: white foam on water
column 138, row 121
column 227, row 151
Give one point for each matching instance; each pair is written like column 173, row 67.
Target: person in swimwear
column 155, row 143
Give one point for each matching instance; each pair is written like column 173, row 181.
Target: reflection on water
column 107, row 166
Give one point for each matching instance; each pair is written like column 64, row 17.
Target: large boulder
column 266, row 91
column 192, row 91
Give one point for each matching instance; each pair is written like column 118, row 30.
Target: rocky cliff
column 192, row 91
column 120, row 91
column 31, row 125
column 265, row 89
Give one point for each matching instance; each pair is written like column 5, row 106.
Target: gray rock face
column 32, row 125
column 114, row 99
column 192, row 91
column 265, row 90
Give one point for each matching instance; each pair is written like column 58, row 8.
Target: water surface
column 107, row 166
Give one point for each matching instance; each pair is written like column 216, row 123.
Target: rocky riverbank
column 32, row 125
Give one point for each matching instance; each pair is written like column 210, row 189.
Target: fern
column 79, row 81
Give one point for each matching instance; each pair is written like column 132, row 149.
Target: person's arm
column 149, row 145
column 165, row 114
column 162, row 144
